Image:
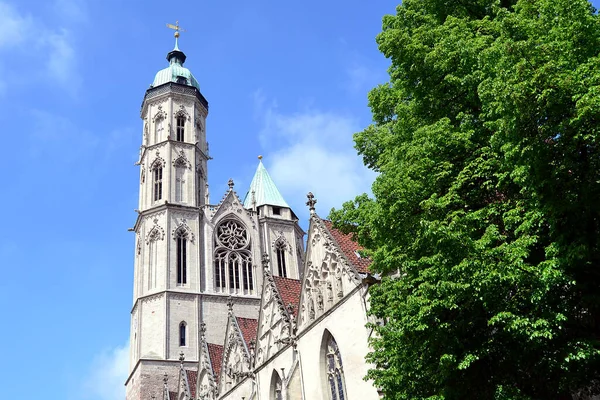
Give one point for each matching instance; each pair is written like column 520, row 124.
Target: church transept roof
column 263, row 190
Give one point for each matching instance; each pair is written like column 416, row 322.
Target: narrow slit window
column 281, row 261
column 180, row 128
column 157, row 183
column 181, row 260
column 158, row 129
column 182, row 329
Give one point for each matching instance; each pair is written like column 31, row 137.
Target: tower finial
column 181, row 357
column 311, row 202
column 202, row 330
column 260, row 157
column 230, row 184
column 265, row 260
column 230, row 304
column 177, row 29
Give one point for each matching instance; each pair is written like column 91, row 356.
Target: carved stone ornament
column 156, row 233
column 183, row 230
column 158, row 162
column 152, row 298
column 160, row 114
column 182, row 161
column 182, row 112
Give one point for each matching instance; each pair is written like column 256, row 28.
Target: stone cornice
column 174, row 143
column 172, row 292
column 171, row 88
column 163, row 207
column 190, row 363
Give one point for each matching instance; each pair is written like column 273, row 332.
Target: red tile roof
column 289, row 290
column 349, row 247
column 248, row 327
column 215, row 352
column 192, row 377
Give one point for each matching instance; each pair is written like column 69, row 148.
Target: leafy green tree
column 485, row 215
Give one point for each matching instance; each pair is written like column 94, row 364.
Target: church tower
column 192, row 258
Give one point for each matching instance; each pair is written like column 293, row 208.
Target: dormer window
column 182, row 80
column 180, row 128
column 276, row 210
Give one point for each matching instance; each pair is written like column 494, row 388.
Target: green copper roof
column 265, row 191
column 175, row 71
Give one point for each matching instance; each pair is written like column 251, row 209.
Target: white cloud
column 54, row 46
column 313, row 151
column 61, row 62
column 106, row 377
column 14, row 27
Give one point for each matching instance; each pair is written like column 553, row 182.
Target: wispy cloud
column 21, row 32
column 61, row 63
column 313, row 151
column 15, row 28
column 107, row 374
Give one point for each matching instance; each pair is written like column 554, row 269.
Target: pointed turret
column 263, row 190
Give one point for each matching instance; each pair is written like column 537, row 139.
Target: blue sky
column 285, row 80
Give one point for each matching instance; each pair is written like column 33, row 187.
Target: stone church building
column 233, row 300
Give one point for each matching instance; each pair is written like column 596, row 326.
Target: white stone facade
column 227, row 303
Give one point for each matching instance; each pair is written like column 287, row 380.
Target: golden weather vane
column 176, row 28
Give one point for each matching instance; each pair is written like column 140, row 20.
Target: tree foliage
column 485, row 215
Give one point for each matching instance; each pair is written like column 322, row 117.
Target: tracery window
column 157, row 174
column 233, row 261
column 180, row 128
column 280, row 250
column 334, row 369
column 276, row 387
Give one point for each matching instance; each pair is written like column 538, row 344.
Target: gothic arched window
column 233, row 262
column 180, row 180
column 159, row 127
column 182, row 329
column 152, row 259
column 180, row 128
column 181, row 239
column 280, row 250
column 334, row 372
column 276, row 386
column 157, row 175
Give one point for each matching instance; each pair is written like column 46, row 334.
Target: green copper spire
column 263, row 190
column 175, row 72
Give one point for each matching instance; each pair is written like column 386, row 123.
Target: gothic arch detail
column 181, row 161
column 233, row 269
column 182, row 113
column 160, row 114
column 158, row 161
column 156, row 233
column 332, row 368
column 183, row 230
